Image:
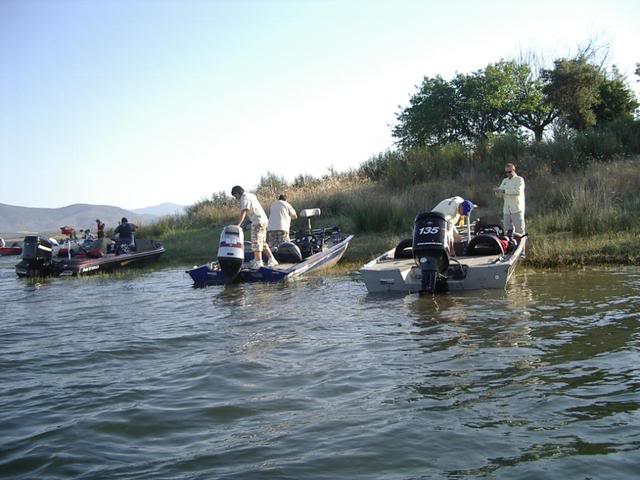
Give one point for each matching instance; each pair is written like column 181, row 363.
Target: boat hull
column 385, row 274
column 6, row 251
column 211, row 274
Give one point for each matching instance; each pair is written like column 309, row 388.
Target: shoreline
column 560, row 250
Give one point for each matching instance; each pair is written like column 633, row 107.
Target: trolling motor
column 231, row 252
column 430, row 249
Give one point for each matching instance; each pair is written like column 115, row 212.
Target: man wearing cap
column 250, row 206
column 512, row 191
column 452, row 209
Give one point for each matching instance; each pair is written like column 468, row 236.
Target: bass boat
column 311, row 249
column 485, row 258
column 43, row 258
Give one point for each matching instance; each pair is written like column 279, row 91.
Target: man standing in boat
column 125, row 235
column 250, row 206
column 512, row 191
column 100, row 228
column 280, row 215
column 452, row 209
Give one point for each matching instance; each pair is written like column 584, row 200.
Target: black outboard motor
column 36, row 257
column 430, row 248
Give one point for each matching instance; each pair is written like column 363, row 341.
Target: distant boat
column 41, row 258
column 13, row 249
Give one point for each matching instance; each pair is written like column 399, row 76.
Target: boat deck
column 402, row 263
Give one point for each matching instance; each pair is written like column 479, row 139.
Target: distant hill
column 79, row 216
column 160, row 210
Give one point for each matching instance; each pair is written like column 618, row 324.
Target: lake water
column 142, row 376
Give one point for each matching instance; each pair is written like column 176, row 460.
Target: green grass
column 189, row 247
column 564, row 249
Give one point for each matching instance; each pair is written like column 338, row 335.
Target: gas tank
column 231, row 252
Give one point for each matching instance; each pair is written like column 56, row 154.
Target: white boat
column 484, row 267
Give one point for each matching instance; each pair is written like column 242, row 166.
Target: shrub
column 559, row 154
column 271, row 185
column 598, row 145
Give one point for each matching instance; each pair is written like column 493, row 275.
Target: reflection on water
column 142, row 376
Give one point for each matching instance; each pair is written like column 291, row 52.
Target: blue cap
column 467, row 206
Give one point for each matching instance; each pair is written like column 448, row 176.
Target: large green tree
column 573, row 86
column 517, row 91
column 512, row 95
column 478, row 114
column 443, row 112
column 431, row 117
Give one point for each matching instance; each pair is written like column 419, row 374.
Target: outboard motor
column 430, row 248
column 231, row 252
column 36, row 257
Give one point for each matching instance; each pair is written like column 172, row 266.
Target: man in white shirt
column 280, row 215
column 512, row 191
column 250, row 206
column 452, row 209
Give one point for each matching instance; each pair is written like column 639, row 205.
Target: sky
column 134, row 103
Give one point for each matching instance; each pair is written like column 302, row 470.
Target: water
column 141, row 376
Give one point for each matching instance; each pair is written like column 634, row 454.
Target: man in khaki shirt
column 512, row 191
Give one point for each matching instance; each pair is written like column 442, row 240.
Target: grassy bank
column 578, row 218
column 581, row 192
column 193, row 247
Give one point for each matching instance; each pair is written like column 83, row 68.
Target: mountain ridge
column 14, row 218
column 166, row 208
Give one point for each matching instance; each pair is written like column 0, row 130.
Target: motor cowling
column 430, row 248
column 231, row 252
column 37, row 249
column 36, row 258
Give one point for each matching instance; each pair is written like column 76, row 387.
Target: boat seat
column 310, row 212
